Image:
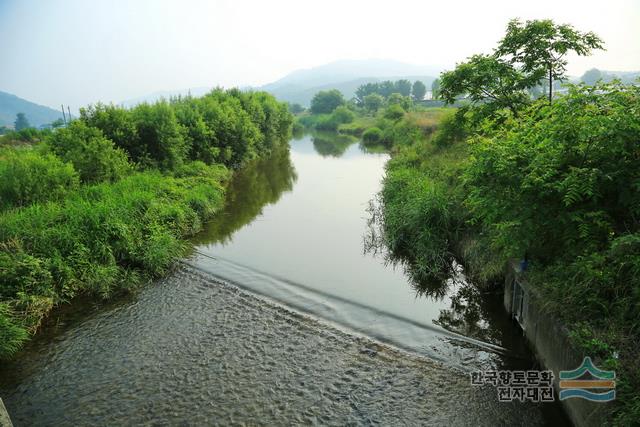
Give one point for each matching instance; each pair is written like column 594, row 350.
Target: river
column 278, row 317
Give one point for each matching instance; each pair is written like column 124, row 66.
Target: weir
column 462, row 352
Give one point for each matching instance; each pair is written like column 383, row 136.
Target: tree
column 403, row 87
column 386, row 88
column 435, row 89
column 591, row 76
column 364, row 90
column 398, row 99
column 324, row 102
column 21, row 122
column 539, row 48
column 373, row 102
column 485, row 80
column 57, row 123
column 419, row 90
column 295, row 108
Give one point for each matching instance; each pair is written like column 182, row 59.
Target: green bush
column 117, row 124
column 452, row 127
column 100, row 240
column 27, row 177
column 372, row 136
column 343, row 115
column 92, row 155
column 104, row 238
column 394, row 112
column 229, row 127
column 160, row 135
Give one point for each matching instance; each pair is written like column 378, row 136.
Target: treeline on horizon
column 105, row 203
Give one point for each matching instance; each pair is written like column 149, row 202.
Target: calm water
column 278, row 317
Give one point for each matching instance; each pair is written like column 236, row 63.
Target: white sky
column 81, row 51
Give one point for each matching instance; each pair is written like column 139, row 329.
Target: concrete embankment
column 549, row 337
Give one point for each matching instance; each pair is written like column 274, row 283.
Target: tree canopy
column 373, row 102
column 528, row 54
column 539, row 48
column 418, row 90
column 386, row 88
column 482, row 78
column 21, row 122
column 325, row 101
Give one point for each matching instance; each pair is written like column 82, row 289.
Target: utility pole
column 69, row 111
column 63, row 116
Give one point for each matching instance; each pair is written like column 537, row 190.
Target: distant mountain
column 300, row 86
column 166, row 94
column 38, row 115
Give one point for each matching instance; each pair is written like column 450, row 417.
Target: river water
column 278, row 317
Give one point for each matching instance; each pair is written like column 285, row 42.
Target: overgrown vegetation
column 555, row 183
column 105, row 203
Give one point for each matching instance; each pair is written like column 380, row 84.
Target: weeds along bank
column 558, row 185
column 104, row 204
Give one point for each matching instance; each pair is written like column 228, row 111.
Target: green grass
column 101, row 240
column 358, row 126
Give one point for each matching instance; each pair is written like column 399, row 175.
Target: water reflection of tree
column 473, row 312
column 374, row 148
column 256, row 185
column 331, row 143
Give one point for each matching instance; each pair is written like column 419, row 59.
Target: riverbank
column 532, row 187
column 290, row 233
column 106, row 203
column 208, row 367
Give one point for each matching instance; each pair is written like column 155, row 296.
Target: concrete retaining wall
column 550, row 340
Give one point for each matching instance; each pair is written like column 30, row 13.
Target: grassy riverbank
column 105, row 204
column 558, row 185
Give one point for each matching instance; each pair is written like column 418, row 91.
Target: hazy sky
column 82, row 51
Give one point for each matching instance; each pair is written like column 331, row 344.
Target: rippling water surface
column 277, row 318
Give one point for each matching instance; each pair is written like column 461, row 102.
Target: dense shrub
column 229, row 127
column 343, row 115
column 92, row 155
column 394, row 112
column 27, row 177
column 561, row 185
column 328, row 122
column 452, row 127
column 100, row 240
column 558, row 184
column 117, row 124
column 160, row 135
column 372, row 136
